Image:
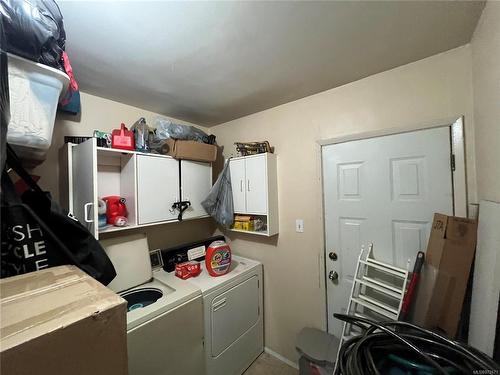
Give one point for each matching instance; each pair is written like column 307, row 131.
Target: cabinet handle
column 241, row 186
column 86, row 212
column 248, row 185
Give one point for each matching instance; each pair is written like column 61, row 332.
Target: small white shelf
column 111, row 228
column 120, row 151
column 254, row 182
column 259, row 233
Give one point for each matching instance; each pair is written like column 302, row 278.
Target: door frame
column 459, row 173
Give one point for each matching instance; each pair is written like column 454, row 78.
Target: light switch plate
column 299, row 225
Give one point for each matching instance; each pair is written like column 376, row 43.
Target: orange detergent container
column 218, row 258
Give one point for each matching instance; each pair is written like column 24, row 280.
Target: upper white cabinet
column 150, row 183
column 196, row 181
column 157, row 188
column 256, row 184
column 255, row 190
column 238, row 184
column 83, row 173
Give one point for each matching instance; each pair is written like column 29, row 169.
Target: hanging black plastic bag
column 37, row 233
column 34, row 30
column 219, row 202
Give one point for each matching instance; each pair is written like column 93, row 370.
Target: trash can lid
column 318, row 346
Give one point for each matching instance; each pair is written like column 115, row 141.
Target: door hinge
column 258, row 311
column 452, row 162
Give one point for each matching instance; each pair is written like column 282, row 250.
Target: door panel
column 233, row 313
column 196, row 181
column 385, row 191
column 237, row 171
column 84, row 172
column 256, row 184
column 157, row 188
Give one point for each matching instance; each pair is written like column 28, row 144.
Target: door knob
column 333, row 256
column 333, row 275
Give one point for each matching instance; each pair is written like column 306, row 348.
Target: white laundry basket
column 34, row 91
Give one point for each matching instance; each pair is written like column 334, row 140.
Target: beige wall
column 486, row 85
column 419, row 93
column 103, row 114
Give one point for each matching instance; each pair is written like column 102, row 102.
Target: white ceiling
column 210, row 62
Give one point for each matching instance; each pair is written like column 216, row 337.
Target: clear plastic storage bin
column 34, row 91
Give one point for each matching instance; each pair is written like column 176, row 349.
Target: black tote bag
column 37, row 233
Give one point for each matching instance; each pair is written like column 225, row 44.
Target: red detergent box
column 187, row 269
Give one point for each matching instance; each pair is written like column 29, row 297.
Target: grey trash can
column 318, row 351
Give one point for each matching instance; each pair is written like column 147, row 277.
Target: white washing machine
column 165, row 326
column 233, row 316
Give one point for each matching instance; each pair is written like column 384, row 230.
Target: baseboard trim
column 281, row 358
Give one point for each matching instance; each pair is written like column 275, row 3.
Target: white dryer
column 233, row 316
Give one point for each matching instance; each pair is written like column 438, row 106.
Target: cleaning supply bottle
column 218, row 258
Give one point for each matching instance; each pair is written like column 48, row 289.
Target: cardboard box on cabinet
column 191, row 150
column 61, row 321
column 443, row 283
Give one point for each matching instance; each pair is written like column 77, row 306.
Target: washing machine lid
column 130, row 256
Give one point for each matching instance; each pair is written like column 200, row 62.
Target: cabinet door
column 256, row 184
column 157, row 188
column 84, row 184
column 237, row 171
column 196, row 181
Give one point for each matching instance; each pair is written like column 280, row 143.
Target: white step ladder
column 371, row 294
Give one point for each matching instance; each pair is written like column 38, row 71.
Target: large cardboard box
column 191, row 150
column 441, row 290
column 61, row 321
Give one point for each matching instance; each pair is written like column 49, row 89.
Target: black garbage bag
column 37, row 233
column 34, row 30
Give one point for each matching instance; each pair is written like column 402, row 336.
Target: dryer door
column 233, row 313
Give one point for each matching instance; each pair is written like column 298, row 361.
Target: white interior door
column 157, row 188
column 237, row 172
column 385, row 191
column 84, row 173
column 196, row 181
column 256, row 184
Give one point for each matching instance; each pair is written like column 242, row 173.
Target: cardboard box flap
column 34, row 304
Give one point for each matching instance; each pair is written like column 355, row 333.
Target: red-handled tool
column 415, row 276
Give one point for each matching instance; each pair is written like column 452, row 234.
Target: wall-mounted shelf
column 254, row 183
column 150, row 183
column 258, row 233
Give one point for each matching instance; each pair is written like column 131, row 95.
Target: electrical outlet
column 299, row 225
